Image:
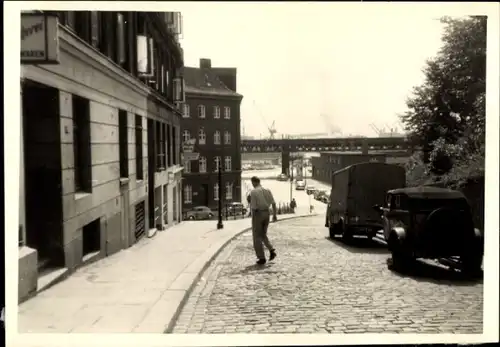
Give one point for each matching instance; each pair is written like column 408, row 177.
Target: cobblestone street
column 317, row 285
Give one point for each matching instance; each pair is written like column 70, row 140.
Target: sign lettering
column 39, row 39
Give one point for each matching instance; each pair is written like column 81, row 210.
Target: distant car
column 318, row 194
column 236, row 208
column 431, row 223
column 282, row 177
column 199, row 213
column 310, row 190
column 300, row 185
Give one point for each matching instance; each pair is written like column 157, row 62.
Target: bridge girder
column 325, row 144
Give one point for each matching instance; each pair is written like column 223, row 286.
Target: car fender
column 400, row 233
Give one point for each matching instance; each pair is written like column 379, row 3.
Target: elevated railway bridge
column 286, row 147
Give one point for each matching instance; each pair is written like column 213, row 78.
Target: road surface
column 281, row 190
column 317, row 285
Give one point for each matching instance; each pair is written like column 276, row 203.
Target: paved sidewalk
column 140, row 289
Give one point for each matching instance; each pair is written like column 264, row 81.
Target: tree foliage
column 446, row 114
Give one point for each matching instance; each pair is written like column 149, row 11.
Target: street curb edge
column 187, row 294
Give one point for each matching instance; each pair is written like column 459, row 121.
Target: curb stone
column 175, row 316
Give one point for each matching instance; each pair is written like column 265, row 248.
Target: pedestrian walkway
column 140, row 289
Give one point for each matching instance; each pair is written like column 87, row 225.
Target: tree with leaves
column 446, row 114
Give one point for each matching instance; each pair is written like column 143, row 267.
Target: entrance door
column 203, row 199
column 151, row 173
column 43, row 178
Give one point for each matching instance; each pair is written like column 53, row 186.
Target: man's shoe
column 261, row 261
column 273, row 255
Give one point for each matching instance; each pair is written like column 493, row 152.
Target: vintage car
column 199, row 213
column 431, row 223
column 300, row 185
column 310, row 189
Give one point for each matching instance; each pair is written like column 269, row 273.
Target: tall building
column 211, row 115
column 101, row 95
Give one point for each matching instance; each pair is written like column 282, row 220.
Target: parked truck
column 355, row 190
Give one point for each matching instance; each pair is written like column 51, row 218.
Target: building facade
column 211, row 115
column 328, row 162
column 100, row 160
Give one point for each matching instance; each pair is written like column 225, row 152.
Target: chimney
column 205, row 63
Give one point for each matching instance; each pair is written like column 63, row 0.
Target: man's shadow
column 255, row 267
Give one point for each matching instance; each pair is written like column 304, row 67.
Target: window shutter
column 120, row 36
column 94, row 29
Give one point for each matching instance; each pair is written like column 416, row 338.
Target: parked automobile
column 199, row 213
column 318, row 194
column 310, row 190
column 325, row 198
column 282, row 177
column 355, row 190
column 235, row 209
column 431, row 223
column 300, row 185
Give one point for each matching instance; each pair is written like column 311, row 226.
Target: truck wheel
column 331, row 231
column 346, row 233
column 471, row 265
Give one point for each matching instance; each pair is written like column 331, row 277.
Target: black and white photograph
column 245, row 173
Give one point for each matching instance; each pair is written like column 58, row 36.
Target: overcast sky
column 295, row 62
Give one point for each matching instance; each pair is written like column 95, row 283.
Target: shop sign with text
column 39, row 39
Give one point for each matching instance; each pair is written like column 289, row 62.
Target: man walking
column 260, row 200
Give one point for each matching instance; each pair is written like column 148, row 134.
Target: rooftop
column 204, row 80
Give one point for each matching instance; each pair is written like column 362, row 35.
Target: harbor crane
column 272, row 129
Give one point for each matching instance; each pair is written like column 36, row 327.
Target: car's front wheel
column 400, row 260
column 210, row 215
column 191, row 217
column 471, row 264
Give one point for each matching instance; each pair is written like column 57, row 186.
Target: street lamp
column 219, row 178
column 219, row 222
column 291, row 179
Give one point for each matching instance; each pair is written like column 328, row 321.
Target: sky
column 295, row 62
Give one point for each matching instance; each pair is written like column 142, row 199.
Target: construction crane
column 272, row 129
column 377, row 130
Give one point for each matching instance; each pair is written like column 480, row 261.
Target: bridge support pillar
column 364, row 146
column 285, row 162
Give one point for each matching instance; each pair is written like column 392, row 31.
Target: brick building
column 329, row 162
column 100, row 144
column 212, row 117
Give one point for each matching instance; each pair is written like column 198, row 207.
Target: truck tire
column 346, row 233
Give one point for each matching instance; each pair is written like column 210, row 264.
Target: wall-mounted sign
column 188, row 146
column 39, row 39
column 191, row 156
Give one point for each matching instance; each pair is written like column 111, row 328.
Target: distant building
column 211, row 115
column 328, row 162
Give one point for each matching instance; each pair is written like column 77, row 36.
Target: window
column 201, row 111
column 187, row 166
column 169, row 145
column 227, row 137
column 175, row 148
column 227, row 112
column 138, row 147
column 81, row 144
column 216, row 191
column 186, row 136
column 186, row 113
column 217, row 137
column 227, row 163
column 202, row 137
column 216, row 164
column 216, row 112
column 229, row 191
column 188, row 194
column 123, row 142
column 160, row 146
column 203, row 164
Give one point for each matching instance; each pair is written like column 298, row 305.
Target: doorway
column 204, row 195
column 151, row 173
column 42, row 172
